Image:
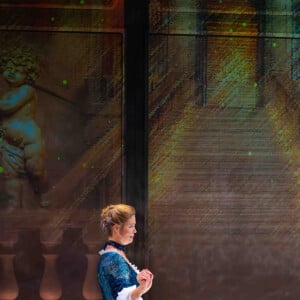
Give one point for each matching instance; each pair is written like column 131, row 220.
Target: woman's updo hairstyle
column 115, row 214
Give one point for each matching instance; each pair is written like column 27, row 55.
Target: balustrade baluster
column 9, row 289
column 8, row 285
column 91, row 236
column 50, row 288
column 91, row 290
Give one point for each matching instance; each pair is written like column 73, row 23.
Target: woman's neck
column 115, row 244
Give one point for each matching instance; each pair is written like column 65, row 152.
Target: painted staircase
column 223, row 210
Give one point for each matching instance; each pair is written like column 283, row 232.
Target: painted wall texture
column 61, row 143
column 223, row 150
column 223, row 144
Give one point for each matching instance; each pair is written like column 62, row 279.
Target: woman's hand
column 145, row 278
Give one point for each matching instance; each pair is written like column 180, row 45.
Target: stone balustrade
column 49, row 255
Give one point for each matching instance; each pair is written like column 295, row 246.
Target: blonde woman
column 119, row 279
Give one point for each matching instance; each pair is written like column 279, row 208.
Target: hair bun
column 115, row 214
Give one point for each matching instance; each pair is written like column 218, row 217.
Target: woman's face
column 125, row 234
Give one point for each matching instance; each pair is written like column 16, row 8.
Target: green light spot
column 274, row 44
column 1, row 169
column 244, row 24
column 230, row 30
column 58, row 157
column 65, row 82
column 255, row 84
column 249, row 153
column 81, row 1
column 52, row 19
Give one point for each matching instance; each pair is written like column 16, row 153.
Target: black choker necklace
column 114, row 244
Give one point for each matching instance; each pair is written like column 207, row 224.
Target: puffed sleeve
column 119, row 276
column 125, row 293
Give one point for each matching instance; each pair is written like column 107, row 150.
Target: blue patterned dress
column 116, row 277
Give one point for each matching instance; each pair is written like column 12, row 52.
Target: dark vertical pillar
column 295, row 56
column 201, row 58
column 136, row 118
column 260, row 72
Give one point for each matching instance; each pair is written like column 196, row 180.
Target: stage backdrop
column 224, row 149
column 61, row 137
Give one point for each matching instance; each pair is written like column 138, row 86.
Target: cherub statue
column 22, row 153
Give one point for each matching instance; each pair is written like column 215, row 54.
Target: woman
column 118, row 278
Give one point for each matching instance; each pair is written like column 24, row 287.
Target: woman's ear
column 116, row 227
